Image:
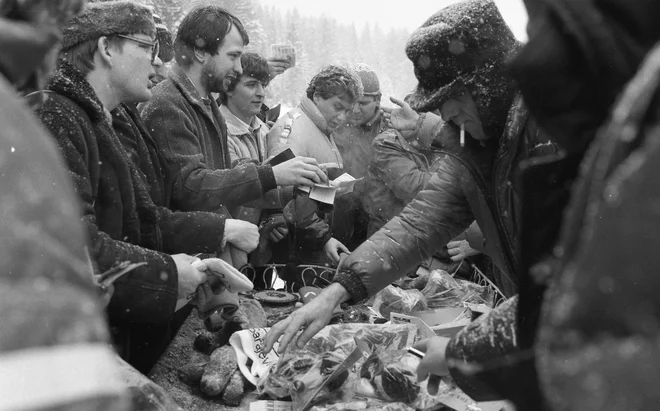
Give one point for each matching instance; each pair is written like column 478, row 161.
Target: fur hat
column 164, row 36
column 465, row 43
column 369, row 79
column 107, row 18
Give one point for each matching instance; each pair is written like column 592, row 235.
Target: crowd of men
column 124, row 143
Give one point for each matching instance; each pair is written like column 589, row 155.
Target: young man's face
column 247, row 97
column 226, row 63
column 134, row 69
column 461, row 109
column 364, row 110
column 335, row 110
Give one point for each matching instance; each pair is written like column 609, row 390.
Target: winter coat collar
column 236, row 126
column 188, row 89
column 309, row 108
column 23, row 47
column 69, row 81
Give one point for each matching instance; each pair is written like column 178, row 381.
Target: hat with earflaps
column 107, row 18
column 466, row 43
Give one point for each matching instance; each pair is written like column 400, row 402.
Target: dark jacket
column 192, row 135
column 47, row 289
column 121, row 224
column 472, row 183
column 597, row 345
column 182, row 232
column 397, row 172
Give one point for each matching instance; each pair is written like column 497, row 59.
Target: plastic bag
column 393, row 299
column 334, row 342
column 443, row 290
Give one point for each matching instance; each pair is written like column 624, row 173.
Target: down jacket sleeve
column 436, row 215
column 402, row 175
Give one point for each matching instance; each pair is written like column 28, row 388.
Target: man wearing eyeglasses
column 106, row 59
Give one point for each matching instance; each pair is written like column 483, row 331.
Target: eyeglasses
column 154, row 46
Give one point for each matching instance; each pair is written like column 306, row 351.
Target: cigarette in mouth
column 463, row 135
column 415, row 352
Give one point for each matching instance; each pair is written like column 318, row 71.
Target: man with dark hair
column 52, row 316
column 107, row 56
column 192, row 134
column 241, row 105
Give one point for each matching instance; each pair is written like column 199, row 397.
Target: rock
column 207, row 342
column 192, row 372
column 219, row 371
column 234, row 391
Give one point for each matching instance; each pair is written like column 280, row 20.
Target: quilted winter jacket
column 396, row 174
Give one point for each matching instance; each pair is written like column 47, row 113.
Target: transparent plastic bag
column 443, row 290
column 333, row 342
column 393, row 299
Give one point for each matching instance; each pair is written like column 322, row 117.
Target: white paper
column 248, row 345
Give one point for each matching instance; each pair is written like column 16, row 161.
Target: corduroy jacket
column 182, row 232
column 192, row 135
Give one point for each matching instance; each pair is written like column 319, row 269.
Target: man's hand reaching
column 311, row 318
column 299, row 171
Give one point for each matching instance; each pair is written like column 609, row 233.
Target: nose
column 157, row 62
column 238, row 68
column 342, row 115
column 356, row 109
column 261, row 91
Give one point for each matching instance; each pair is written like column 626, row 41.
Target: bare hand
column 278, row 234
column 460, row 250
column 242, row 234
column 277, row 67
column 302, row 171
column 191, row 275
column 311, row 317
column 403, row 118
column 434, row 363
column 333, row 248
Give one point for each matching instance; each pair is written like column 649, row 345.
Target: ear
column 316, row 98
column 200, row 55
column 104, row 51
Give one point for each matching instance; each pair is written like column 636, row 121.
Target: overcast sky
column 408, row 14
